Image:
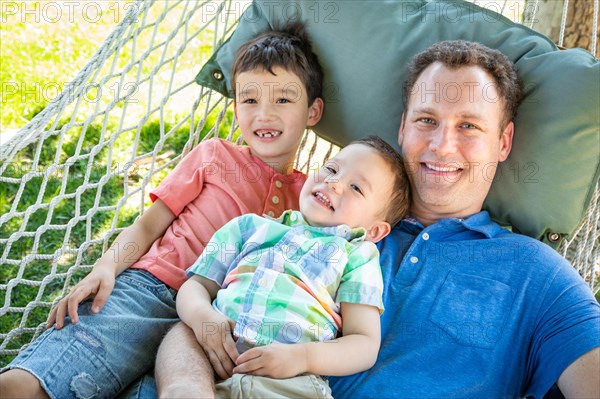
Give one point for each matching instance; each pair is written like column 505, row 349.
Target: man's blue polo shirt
column 474, row 311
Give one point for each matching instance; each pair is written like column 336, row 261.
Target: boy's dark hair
column 287, row 47
column 454, row 54
column 399, row 202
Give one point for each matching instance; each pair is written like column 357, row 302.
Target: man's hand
column 213, row 330
column 215, row 335
column 275, row 361
column 98, row 285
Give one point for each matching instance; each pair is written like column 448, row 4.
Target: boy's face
column 273, row 112
column 352, row 188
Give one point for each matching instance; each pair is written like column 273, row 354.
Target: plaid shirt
column 282, row 280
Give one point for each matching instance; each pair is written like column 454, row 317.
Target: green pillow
column 544, row 186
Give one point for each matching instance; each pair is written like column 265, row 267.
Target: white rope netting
column 80, row 171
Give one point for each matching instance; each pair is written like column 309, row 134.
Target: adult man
column 472, row 310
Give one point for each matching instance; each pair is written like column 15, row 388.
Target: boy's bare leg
column 17, row 383
column 182, row 369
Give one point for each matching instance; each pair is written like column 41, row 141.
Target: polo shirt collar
column 479, row 222
column 295, row 218
column 270, row 170
column 482, row 223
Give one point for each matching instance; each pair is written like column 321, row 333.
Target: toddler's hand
column 275, row 361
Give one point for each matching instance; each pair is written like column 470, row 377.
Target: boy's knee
column 17, row 383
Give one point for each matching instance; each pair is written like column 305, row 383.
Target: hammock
column 92, row 155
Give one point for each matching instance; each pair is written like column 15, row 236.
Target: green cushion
column 546, row 183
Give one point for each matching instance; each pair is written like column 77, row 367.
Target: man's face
column 452, row 141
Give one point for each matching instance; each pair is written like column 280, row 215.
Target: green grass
column 38, row 58
column 41, row 53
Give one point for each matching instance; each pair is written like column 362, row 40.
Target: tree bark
column 579, row 24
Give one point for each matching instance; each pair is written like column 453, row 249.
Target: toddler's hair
column 399, row 202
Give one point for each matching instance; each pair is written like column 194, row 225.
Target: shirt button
column 414, row 259
column 262, row 282
column 271, row 213
column 278, row 184
column 307, row 234
column 425, row 236
column 275, row 199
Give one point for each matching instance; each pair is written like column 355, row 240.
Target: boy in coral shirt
column 115, row 324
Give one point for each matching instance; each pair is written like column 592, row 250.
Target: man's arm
column 213, row 330
column 582, row 378
column 182, row 369
column 128, row 247
column 354, row 352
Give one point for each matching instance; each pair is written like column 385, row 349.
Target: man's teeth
column 323, row 199
column 442, row 168
column 267, row 134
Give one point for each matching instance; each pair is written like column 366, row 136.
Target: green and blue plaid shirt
column 283, row 280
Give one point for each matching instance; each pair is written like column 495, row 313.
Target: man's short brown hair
column 454, row 54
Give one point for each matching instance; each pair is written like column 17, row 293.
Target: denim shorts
column 103, row 353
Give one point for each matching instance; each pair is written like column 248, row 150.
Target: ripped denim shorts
column 103, row 353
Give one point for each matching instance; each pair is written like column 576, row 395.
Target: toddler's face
column 352, row 188
column 273, row 112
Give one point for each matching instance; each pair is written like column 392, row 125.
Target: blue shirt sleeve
column 568, row 326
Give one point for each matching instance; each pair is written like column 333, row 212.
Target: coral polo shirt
column 214, row 183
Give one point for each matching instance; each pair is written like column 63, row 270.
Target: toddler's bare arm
column 354, row 352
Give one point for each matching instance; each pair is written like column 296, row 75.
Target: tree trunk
column 579, row 24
